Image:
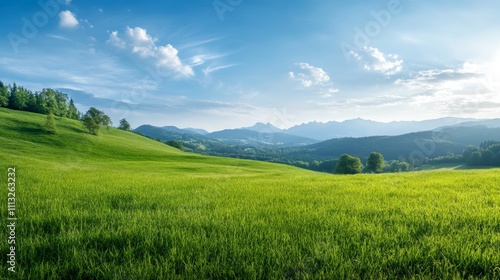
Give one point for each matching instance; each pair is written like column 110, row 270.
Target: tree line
column 487, row 154
column 46, row 101
column 54, row 103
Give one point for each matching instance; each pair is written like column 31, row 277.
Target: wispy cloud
column 201, row 59
column 198, row 43
column 373, row 59
column 67, row 19
column 368, row 102
column 447, row 79
column 211, row 69
column 58, row 37
column 409, row 39
column 97, row 74
column 454, row 90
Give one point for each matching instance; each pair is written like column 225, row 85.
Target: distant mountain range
column 258, row 135
column 431, row 144
column 267, row 134
column 364, row 128
column 265, row 128
column 261, row 143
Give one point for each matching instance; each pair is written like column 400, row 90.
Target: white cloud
column 167, row 57
column 373, row 59
column 67, row 19
column 140, row 42
column 67, row 2
column 315, row 78
column 114, row 40
column 464, row 89
column 309, row 75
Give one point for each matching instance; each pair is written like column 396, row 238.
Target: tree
column 375, row 162
column 72, row 111
column 94, row 118
column 349, row 165
column 124, row 125
column 32, row 105
column 487, row 157
column 397, row 166
column 475, row 158
column 18, row 98
column 106, row 121
column 62, row 103
column 176, row 144
column 468, row 152
column 50, row 123
column 47, row 102
column 4, row 95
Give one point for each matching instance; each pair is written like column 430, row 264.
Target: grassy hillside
column 120, row 206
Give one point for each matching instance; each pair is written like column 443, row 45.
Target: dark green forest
column 43, row 102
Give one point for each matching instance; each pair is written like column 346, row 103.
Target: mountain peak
column 264, row 128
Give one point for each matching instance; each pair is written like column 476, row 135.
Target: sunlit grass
column 119, row 206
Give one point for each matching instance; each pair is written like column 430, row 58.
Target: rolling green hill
column 217, row 141
column 204, row 145
column 23, row 137
column 121, row 206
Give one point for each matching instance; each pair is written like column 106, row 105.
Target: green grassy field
column 120, row 206
column 450, row 166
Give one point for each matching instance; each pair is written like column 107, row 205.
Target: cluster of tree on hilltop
column 53, row 103
column 43, row 102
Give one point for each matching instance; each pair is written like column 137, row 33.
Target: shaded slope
column 428, row 143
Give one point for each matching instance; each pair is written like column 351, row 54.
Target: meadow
column 121, row 206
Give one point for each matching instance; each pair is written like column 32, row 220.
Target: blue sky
column 232, row 63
